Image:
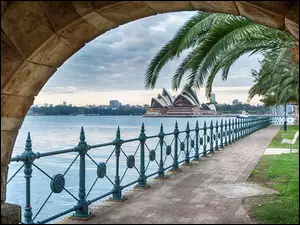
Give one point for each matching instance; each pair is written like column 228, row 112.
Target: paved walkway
column 185, row 197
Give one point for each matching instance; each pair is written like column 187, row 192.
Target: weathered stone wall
column 37, row 37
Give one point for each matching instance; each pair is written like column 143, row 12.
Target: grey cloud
column 117, row 60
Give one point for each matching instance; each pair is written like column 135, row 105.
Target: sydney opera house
column 185, row 104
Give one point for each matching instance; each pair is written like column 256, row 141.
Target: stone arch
column 38, row 37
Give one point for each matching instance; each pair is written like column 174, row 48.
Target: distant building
column 64, row 103
column 114, row 104
column 70, row 105
column 184, row 104
column 46, row 105
column 213, row 98
column 236, row 102
column 279, row 110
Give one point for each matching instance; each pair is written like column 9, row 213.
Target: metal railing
column 208, row 138
column 280, row 119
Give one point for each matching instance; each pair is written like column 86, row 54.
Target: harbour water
column 50, row 133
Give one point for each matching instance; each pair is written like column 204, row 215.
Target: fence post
column 82, row 209
column 243, row 127
column 161, row 171
column 235, row 130
column 256, row 124
column 229, row 132
column 29, row 158
column 175, row 162
column 117, row 195
column 196, row 158
column 225, row 132
column 204, row 138
column 187, row 153
column 211, row 137
column 217, row 136
column 248, row 127
column 221, row 144
column 142, row 179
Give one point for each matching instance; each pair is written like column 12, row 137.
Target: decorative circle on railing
column 208, row 138
column 219, row 135
column 101, row 170
column 214, row 136
column 182, row 146
column 192, row 143
column 168, row 150
column 152, row 155
column 57, row 183
column 201, row 141
column 130, row 161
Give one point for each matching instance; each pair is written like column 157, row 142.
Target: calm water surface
column 49, row 133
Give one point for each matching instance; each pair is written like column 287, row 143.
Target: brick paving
column 185, row 196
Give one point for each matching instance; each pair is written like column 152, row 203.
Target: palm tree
column 277, row 81
column 278, row 78
column 215, row 41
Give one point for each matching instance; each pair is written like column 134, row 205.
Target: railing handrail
column 214, row 137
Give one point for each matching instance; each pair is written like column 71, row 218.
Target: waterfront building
column 212, row 98
column 114, row 104
column 184, row 104
column 279, row 110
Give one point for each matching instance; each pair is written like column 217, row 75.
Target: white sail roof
column 166, row 93
column 165, row 99
column 212, row 107
column 160, row 101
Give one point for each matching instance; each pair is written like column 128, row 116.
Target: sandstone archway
column 38, row 37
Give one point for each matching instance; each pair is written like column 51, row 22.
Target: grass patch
column 289, row 134
column 279, row 172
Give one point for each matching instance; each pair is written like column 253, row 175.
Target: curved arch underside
column 38, row 37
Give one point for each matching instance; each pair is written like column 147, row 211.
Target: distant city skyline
column 142, row 93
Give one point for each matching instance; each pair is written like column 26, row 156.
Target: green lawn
column 279, row 172
column 289, row 134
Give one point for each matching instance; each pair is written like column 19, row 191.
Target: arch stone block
column 259, row 12
column 11, row 59
column 26, row 25
column 55, row 52
column 292, row 20
column 82, row 31
column 61, row 13
column 160, row 6
column 15, row 106
column 28, row 80
column 4, row 169
column 216, row 6
column 8, row 138
column 124, row 12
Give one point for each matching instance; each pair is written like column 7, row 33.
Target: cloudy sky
column 113, row 67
